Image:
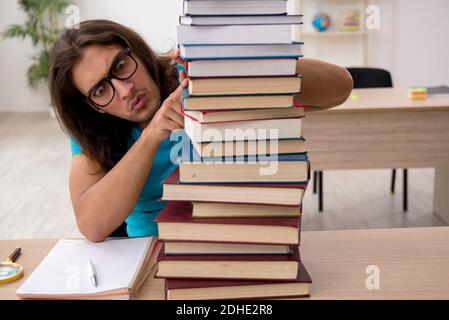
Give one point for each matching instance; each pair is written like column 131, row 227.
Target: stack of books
column 231, row 228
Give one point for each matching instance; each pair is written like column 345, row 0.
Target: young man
column 119, row 102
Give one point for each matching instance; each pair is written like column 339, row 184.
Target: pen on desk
column 91, row 272
column 16, row 253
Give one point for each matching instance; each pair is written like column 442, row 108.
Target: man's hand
column 168, row 118
column 175, row 56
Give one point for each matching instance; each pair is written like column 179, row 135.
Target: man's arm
column 324, row 85
column 102, row 201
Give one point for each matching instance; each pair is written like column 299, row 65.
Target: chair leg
column 405, row 190
column 314, row 181
column 320, row 192
column 393, row 180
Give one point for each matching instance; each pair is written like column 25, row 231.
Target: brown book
column 175, row 222
column 237, row 267
column 199, row 289
column 216, row 116
column 236, row 210
column 214, row 248
column 275, row 194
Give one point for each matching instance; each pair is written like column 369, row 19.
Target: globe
column 321, row 21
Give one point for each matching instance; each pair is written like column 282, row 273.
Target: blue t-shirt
column 140, row 223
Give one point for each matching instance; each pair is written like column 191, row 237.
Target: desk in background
column 384, row 129
column 413, row 263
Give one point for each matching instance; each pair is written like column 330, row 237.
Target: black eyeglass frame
column 110, row 76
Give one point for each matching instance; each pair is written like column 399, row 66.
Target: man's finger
column 182, row 76
column 176, row 95
column 175, row 56
column 185, row 83
column 177, row 117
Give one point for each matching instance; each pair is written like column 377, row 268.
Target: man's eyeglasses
column 123, row 68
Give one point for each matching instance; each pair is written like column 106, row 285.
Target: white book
column 121, row 266
column 198, row 52
column 243, row 130
column 239, row 20
column 257, row 34
column 242, row 67
column 234, row 7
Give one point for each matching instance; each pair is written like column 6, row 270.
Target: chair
column 365, row 78
column 120, row 232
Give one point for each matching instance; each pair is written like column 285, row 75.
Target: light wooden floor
column 35, row 203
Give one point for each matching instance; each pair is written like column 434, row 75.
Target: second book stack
column 232, row 226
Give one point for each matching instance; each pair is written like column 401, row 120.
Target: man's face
column 136, row 99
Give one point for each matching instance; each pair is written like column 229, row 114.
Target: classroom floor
column 35, row 201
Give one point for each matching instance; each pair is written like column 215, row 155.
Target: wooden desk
column 413, row 263
column 384, row 129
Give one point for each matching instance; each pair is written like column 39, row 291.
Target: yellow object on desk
column 10, row 271
column 417, row 93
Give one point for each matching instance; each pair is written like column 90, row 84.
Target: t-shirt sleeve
column 76, row 149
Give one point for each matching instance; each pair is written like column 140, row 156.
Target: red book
column 175, row 222
column 235, row 267
column 199, row 289
column 254, row 193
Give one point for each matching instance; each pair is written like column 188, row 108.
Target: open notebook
column 121, row 267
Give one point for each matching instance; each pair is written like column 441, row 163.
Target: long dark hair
column 102, row 137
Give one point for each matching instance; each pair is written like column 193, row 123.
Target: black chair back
column 370, row 78
column 120, row 232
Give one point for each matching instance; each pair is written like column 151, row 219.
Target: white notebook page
column 64, row 269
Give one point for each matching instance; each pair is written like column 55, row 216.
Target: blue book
column 224, row 20
column 190, row 154
column 236, row 102
column 244, row 51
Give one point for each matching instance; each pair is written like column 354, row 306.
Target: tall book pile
column 231, row 228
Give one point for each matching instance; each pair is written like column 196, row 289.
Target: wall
column 155, row 20
column 412, row 42
column 15, row 57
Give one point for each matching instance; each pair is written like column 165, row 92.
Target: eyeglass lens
column 123, row 69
